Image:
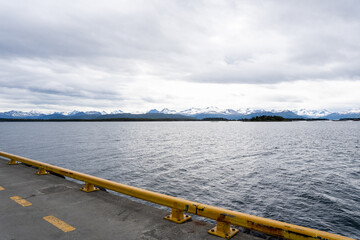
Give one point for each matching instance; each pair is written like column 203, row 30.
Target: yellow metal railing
column 181, row 207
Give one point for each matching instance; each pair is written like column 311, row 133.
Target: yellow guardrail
column 181, row 207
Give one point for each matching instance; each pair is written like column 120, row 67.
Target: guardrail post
column 177, row 216
column 42, row 171
column 89, row 187
column 223, row 229
column 12, row 162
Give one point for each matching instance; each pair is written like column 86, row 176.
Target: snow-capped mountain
column 212, row 112
column 198, row 113
column 55, row 115
column 20, row 114
column 191, row 111
column 87, row 113
column 71, row 113
column 168, row 111
column 188, row 112
column 215, row 112
column 312, row 113
column 116, row 112
column 247, row 111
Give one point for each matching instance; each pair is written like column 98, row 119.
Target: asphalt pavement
column 36, row 207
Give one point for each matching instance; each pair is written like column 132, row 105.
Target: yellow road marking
column 1, row 188
column 21, row 201
column 59, row 224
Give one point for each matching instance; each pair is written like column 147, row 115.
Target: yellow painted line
column 1, row 188
column 21, row 201
column 59, row 224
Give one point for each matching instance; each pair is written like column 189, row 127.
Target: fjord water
column 305, row 173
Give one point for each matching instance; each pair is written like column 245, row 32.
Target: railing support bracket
column 89, row 187
column 42, row 171
column 177, row 216
column 13, row 162
column 224, row 230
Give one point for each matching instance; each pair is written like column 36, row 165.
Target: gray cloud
column 83, row 29
column 94, row 50
column 231, row 41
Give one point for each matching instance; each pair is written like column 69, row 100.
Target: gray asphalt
column 95, row 215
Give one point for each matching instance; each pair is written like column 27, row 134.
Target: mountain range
column 191, row 113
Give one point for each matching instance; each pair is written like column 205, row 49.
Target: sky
column 139, row 55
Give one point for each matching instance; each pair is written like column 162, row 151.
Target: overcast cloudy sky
column 137, row 55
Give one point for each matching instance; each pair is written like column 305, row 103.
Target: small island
column 265, row 118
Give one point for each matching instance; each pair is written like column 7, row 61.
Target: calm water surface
column 305, row 173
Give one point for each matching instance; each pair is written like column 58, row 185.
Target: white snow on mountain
column 86, row 112
column 215, row 110
column 229, row 111
column 95, row 113
column 117, row 112
column 242, row 111
column 22, row 114
column 191, row 111
column 208, row 110
column 246, row 111
column 187, row 112
column 168, row 111
column 212, row 109
column 311, row 113
column 71, row 113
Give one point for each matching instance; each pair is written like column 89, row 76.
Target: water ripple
column 305, row 173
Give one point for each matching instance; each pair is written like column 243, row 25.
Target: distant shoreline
column 169, row 120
